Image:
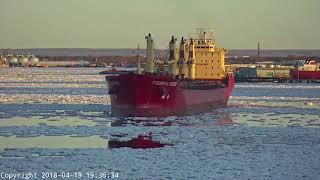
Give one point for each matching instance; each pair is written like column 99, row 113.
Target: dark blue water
column 269, row 131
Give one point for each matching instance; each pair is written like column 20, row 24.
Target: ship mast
column 191, row 62
column 172, row 56
column 138, row 61
column 182, row 63
column 150, row 54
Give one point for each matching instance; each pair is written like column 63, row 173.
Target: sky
column 238, row 24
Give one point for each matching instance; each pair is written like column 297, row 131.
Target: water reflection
column 83, row 111
column 140, row 122
column 276, row 120
column 258, row 117
column 51, row 121
column 141, row 142
column 53, row 142
column 300, row 104
column 226, row 121
column 87, row 122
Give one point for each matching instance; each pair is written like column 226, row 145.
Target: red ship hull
column 149, row 95
column 295, row 74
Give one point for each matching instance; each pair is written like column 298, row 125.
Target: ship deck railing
column 202, row 85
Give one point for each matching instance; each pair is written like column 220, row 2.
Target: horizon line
column 311, row 49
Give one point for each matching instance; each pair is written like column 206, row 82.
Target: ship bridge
column 203, row 42
column 209, row 60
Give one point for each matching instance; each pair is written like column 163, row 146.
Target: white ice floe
column 36, row 78
column 54, row 85
column 54, row 98
column 278, row 86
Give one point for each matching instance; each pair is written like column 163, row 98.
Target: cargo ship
column 309, row 71
column 191, row 80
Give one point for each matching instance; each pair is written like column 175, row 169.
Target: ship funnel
column 150, row 54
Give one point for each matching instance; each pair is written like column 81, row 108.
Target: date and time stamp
column 60, row 175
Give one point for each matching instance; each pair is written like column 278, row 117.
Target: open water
column 55, row 123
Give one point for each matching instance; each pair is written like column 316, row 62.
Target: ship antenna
column 258, row 53
column 258, row 50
